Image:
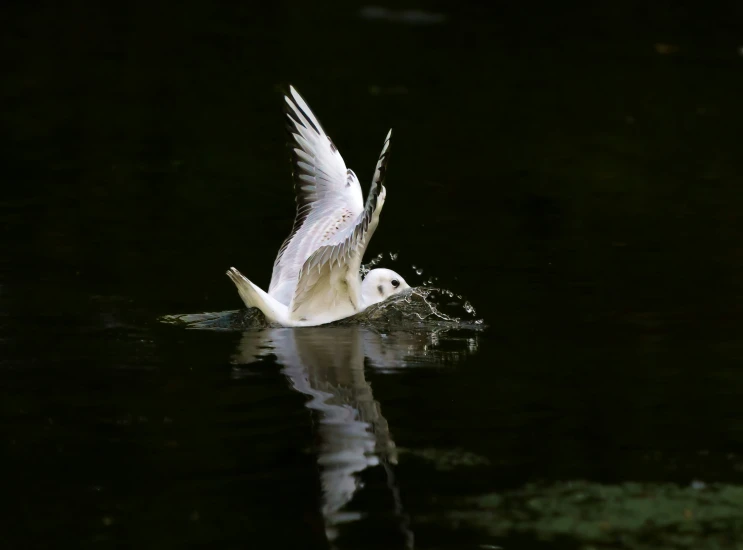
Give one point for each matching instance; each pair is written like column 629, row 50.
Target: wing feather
column 328, row 196
column 330, row 275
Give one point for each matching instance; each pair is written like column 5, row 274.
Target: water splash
column 367, row 267
column 433, row 296
column 417, row 308
column 428, row 304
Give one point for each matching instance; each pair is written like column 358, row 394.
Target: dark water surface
column 576, row 174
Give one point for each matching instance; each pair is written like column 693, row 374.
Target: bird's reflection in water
column 327, row 365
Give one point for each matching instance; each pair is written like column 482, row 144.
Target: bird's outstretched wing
column 328, row 195
column 329, row 283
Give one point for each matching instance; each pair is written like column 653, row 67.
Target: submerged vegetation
column 588, row 516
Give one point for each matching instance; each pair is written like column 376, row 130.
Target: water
column 574, row 175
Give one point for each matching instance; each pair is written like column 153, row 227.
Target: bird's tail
column 253, row 296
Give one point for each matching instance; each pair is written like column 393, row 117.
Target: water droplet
column 468, row 308
column 414, row 267
column 478, row 322
column 393, row 256
column 419, row 272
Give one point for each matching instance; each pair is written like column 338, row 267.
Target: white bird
column 316, row 276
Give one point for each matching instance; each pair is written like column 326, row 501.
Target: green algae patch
column 630, row 515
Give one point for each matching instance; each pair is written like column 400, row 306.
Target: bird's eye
column 395, row 283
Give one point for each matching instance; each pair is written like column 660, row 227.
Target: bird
column 316, row 276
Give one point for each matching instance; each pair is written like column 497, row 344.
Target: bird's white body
column 316, row 276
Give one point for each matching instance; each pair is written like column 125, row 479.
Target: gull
column 316, row 277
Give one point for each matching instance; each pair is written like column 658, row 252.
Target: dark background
column 575, row 171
